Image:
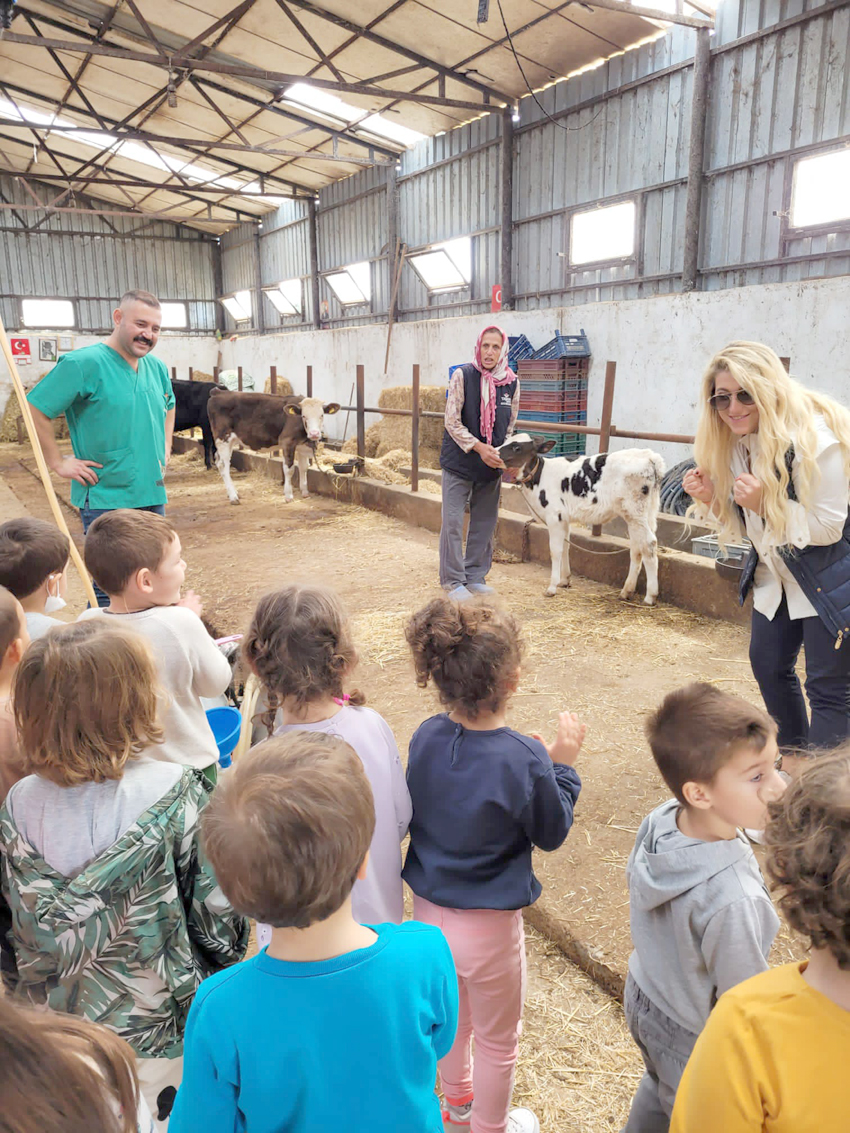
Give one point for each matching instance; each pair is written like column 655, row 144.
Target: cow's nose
column 314, row 434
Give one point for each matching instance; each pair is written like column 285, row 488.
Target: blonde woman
column 773, row 463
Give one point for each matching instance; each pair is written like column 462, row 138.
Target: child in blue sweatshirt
column 483, row 796
column 335, row 1025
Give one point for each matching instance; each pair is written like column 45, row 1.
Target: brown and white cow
column 261, row 420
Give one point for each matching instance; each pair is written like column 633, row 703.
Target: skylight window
column 53, row 313
column 321, row 101
column 387, row 128
column 352, row 285
column 446, row 267
column 821, row 192
column 238, row 305
column 603, row 234
column 286, row 297
column 174, row 316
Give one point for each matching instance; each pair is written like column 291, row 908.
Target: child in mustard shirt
column 774, row 1055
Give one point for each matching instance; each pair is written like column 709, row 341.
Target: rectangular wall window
column 821, row 191
column 50, row 313
column 286, row 297
column 602, row 234
column 238, row 306
column 352, row 285
column 174, row 316
column 445, row 267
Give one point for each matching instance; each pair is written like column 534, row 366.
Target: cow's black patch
column 645, row 489
column 596, row 499
column 565, row 484
column 542, row 497
column 559, row 517
column 585, row 480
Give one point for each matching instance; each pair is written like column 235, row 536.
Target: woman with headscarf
column 773, row 462
column 481, row 410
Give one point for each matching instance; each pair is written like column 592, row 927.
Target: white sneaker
column 456, row 1116
column 522, row 1121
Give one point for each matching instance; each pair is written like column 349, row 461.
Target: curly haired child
column 299, row 646
column 774, row 1053
column 483, row 797
column 115, row 913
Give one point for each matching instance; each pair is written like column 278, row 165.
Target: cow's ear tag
column 291, row 409
column 332, row 407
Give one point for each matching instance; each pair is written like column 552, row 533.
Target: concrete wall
column 660, row 345
column 177, row 350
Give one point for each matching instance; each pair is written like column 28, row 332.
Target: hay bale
column 284, row 387
column 9, row 425
column 395, row 431
column 200, row 376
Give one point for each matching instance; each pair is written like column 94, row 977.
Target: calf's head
column 312, row 413
column 521, row 451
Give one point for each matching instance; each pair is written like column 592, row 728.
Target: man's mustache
column 146, row 341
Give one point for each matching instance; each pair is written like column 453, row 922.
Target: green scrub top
column 116, row 416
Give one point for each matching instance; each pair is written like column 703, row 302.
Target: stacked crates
column 553, row 387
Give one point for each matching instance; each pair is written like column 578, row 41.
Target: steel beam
column 696, row 159
column 507, row 183
column 313, row 231
column 178, row 61
column 138, row 183
column 290, row 15
column 359, row 31
column 175, row 218
column 132, row 135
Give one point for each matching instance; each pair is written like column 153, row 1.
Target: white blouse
column 818, row 526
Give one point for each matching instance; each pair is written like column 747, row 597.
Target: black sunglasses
column 724, row 400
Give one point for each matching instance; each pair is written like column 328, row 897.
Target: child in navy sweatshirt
column 483, row 796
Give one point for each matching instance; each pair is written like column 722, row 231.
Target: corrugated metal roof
column 112, row 72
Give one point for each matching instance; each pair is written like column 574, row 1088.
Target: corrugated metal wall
column 92, row 260
column 620, row 131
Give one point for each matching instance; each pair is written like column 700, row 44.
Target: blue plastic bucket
column 226, row 724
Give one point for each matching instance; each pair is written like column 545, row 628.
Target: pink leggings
column 488, row 946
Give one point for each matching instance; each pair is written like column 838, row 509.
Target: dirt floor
column 585, row 650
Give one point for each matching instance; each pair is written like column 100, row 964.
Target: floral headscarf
column 500, row 375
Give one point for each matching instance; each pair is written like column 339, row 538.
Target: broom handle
column 42, row 466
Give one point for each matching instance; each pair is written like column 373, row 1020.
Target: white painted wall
column 177, row 350
column 661, row 346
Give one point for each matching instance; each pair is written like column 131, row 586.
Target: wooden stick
column 42, row 465
column 401, row 252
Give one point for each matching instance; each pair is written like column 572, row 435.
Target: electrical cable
column 541, row 107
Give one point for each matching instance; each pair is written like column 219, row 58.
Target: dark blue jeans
column 774, row 648
column 89, row 514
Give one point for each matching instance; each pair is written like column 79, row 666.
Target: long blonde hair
column 787, row 413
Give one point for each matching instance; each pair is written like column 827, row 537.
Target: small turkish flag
column 496, row 297
column 20, row 347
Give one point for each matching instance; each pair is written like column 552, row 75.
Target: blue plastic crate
column 564, row 346
column 566, row 445
column 563, row 418
column 452, row 370
column 518, row 348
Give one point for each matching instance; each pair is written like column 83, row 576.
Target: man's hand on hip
column 83, row 471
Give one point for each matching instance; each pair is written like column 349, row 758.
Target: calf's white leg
column 224, row 449
column 302, row 454
column 287, row 478
column 643, row 548
column 556, row 551
column 566, row 573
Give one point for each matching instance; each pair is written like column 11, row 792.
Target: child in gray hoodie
column 701, row 917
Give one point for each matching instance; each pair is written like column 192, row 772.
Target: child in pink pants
column 483, row 796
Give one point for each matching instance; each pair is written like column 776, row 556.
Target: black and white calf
column 591, row 490
column 261, row 420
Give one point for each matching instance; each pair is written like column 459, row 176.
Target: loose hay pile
column 393, row 433
column 200, row 376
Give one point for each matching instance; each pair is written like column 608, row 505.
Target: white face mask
column 54, row 602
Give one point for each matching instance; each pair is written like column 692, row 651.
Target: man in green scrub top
column 118, row 402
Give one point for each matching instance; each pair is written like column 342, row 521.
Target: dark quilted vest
column 469, row 465
column 822, row 573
